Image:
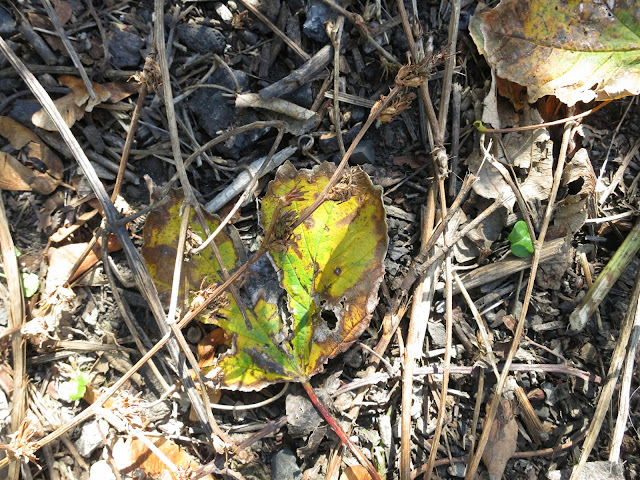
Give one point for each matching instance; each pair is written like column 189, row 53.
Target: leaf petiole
column 342, row 435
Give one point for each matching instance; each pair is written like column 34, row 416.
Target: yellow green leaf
column 332, row 262
column 330, row 267
column 577, row 50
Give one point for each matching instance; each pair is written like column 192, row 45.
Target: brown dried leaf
column 134, row 455
column 355, row 472
column 16, row 176
column 73, row 105
column 575, row 50
column 502, row 441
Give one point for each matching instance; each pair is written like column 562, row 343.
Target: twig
column 435, row 441
column 244, row 179
column 358, row 21
column 481, row 128
column 607, row 278
column 67, row 45
column 133, row 127
column 125, row 313
column 336, row 34
column 16, row 319
column 617, row 177
column 420, row 312
column 495, row 271
column 625, row 395
column 295, row 47
column 300, row 76
column 449, row 64
column 199, row 402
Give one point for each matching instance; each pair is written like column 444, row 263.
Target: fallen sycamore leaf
column 73, row 106
column 161, row 234
column 577, row 50
column 332, row 262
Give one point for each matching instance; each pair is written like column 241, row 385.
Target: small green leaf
column 75, row 388
column 521, row 244
column 30, row 284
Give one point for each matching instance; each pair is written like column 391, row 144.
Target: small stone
column 302, row 417
column 223, row 12
column 364, row 152
column 318, row 14
column 124, row 47
column 284, row 466
column 101, row 471
column 201, row 39
column 213, row 110
column 248, row 37
column 457, row 470
column 384, row 428
column 90, row 437
column 437, row 333
column 328, row 142
column 303, row 96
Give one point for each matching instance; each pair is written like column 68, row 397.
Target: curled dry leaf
column 577, row 50
column 73, row 106
column 502, row 442
column 14, row 175
column 530, row 151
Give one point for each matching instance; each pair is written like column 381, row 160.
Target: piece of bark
column 302, row 75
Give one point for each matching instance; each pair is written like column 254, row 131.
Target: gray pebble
column 124, row 48
column 364, row 152
column 7, row 23
column 318, row 15
column 437, row 333
column 201, row 39
column 284, row 466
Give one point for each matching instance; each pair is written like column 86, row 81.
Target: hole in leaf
column 575, row 186
column 330, row 318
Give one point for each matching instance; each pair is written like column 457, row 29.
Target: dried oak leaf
column 577, row 50
column 73, row 106
column 133, row 455
column 580, row 181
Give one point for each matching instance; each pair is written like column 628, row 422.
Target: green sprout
column 521, row 244
column 75, row 388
